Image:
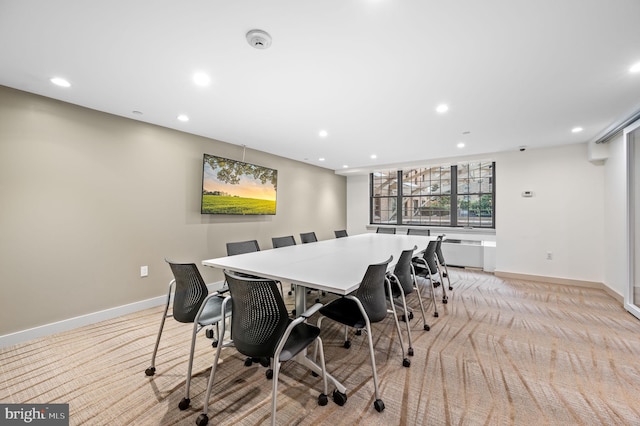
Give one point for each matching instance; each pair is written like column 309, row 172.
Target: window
column 459, row 195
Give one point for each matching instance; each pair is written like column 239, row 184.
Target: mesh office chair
column 368, row 304
column 403, row 283
column 385, row 230
column 261, row 328
column 308, row 237
column 341, row 233
column 413, row 231
column 427, row 267
column 441, row 262
column 192, row 303
column 283, row 241
column 241, row 247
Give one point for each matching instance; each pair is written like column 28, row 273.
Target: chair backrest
column 429, row 257
column 308, row 237
column 439, row 250
column 283, row 241
column 241, row 247
column 413, row 231
column 259, row 317
column 385, row 230
column 371, row 292
column 402, row 270
column 190, row 291
column 341, row 233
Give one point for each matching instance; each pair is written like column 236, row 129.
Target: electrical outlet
column 144, row 271
column 549, row 255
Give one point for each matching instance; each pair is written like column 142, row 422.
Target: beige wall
column 87, row 198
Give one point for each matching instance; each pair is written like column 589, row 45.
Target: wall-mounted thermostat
column 527, row 194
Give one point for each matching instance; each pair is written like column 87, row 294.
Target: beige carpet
column 501, row 353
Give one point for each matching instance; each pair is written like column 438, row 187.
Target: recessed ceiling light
column 576, row 130
column 183, row 117
column 460, row 145
column 321, row 159
column 344, row 166
column 442, row 108
column 373, row 156
column 323, row 133
column 635, row 68
column 201, row 79
column 60, row 82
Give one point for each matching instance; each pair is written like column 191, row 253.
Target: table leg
column 301, row 358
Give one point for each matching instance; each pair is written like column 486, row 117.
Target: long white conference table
column 336, row 266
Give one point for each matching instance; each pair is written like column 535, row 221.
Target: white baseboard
column 82, row 320
column 562, row 281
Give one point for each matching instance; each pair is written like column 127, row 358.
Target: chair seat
column 211, row 313
column 344, row 311
column 301, row 336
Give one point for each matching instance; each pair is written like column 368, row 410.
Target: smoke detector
column 259, row 39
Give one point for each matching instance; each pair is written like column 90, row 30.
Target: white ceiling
column 369, row 72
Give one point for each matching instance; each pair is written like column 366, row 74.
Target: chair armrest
column 312, row 310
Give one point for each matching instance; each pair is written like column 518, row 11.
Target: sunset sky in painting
column 247, row 188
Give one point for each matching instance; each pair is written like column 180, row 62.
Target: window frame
column 454, row 195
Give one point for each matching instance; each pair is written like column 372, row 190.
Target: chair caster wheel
column 445, row 301
column 318, row 300
column 406, row 363
column 265, row 362
column 209, row 333
column 339, row 397
column 202, row 420
column 150, row 371
column 269, row 374
column 358, row 332
column 426, row 327
column 248, row 362
column 410, row 316
column 410, row 351
column 184, row 404
column 450, row 288
column 323, row 400
column 347, row 344
column 379, row 405
column 436, row 285
column 214, row 343
column 314, row 374
column 403, row 318
column 289, row 293
column 435, row 314
column 293, row 313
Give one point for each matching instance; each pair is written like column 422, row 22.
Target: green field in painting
column 220, row 204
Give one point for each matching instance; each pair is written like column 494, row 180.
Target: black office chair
column 308, row 237
column 283, row 241
column 403, row 283
column 385, row 230
column 413, row 231
column 242, row 247
column 341, row 233
column 368, row 304
column 261, row 328
column 426, row 267
column 192, row 303
column 441, row 262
